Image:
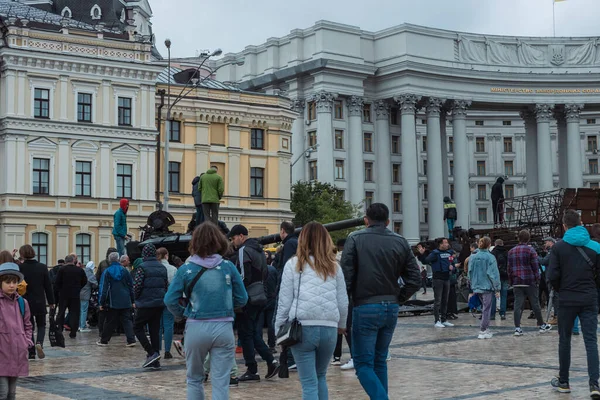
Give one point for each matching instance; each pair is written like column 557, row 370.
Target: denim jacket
column 216, row 294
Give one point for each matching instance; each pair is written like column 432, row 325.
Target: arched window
column 83, row 247
column 66, row 12
column 39, row 242
column 96, row 12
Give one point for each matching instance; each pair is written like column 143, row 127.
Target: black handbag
column 54, row 334
column 257, row 296
column 290, row 333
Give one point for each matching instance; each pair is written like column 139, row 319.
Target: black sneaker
column 594, row 391
column 168, row 355
column 561, row 387
column 32, row 356
column 151, row 359
column 273, row 370
column 155, row 365
column 249, row 377
column 233, row 381
column 531, row 316
column 503, row 317
column 336, row 361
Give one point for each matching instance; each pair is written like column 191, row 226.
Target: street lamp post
column 195, row 83
column 305, row 153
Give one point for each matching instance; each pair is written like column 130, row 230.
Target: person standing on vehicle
column 212, row 188
column 120, row 225
column 450, row 215
column 197, row 195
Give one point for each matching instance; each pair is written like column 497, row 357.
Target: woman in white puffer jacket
column 313, row 290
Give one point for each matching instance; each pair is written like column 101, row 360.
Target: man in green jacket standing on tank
column 211, row 186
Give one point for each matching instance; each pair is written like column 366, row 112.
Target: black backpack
column 502, row 261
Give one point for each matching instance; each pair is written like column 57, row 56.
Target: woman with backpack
column 213, row 290
column 15, row 338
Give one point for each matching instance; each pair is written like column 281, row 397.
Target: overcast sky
column 234, row 24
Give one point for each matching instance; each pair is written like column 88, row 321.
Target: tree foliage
column 321, row 202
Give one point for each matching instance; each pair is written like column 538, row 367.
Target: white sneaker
column 485, row 335
column 85, row 330
column 439, row 325
column 348, row 365
column 447, row 324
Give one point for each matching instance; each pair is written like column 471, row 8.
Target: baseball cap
column 549, row 239
column 10, row 268
column 238, row 230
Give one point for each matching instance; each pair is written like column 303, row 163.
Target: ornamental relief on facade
column 487, row 51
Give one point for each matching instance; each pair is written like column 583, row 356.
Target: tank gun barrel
column 331, row 227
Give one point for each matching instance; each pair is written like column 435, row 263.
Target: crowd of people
column 310, row 294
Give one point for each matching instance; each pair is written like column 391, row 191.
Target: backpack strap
column 585, row 257
column 21, row 306
column 188, row 290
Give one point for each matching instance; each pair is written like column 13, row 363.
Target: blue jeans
column 84, row 311
column 202, row 339
column 166, row 330
column 503, row 299
column 450, row 223
column 312, row 357
column 372, row 331
column 120, row 245
column 199, row 215
column 576, row 325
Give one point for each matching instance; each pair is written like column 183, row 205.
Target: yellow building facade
column 246, row 135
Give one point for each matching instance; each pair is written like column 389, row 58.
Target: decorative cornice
column 355, row 105
column 572, row 112
column 298, row 106
column 434, row 106
column 459, row 108
column 407, row 102
column 543, row 112
column 382, row 109
column 324, row 101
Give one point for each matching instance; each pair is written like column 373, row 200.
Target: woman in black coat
column 39, row 290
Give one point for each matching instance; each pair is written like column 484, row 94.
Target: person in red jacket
column 120, row 226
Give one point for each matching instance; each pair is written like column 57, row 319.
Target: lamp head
column 168, row 43
column 216, row 53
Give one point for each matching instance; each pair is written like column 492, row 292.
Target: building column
column 298, row 142
column 543, row 114
column 21, row 90
column 144, row 194
column 574, row 170
column 435, row 190
column 384, row 154
column 444, row 137
column 105, row 170
column 10, row 164
column 151, row 173
column 462, row 192
column 325, row 163
column 64, row 86
column 10, row 92
column 531, row 156
column 355, row 160
column 63, row 177
column 105, row 103
column 561, row 127
column 233, row 185
column 410, row 177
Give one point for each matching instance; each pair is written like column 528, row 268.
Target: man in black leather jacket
column 374, row 260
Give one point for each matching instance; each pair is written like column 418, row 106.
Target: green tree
column 321, row 202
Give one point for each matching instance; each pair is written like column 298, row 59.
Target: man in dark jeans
column 373, row 262
column 69, row 281
column 269, row 311
column 149, row 287
column 39, row 289
column 573, row 271
column 442, row 263
column 252, row 264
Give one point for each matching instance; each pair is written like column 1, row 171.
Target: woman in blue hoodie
column 214, row 289
column 485, row 280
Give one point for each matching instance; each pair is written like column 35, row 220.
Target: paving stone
column 427, row 363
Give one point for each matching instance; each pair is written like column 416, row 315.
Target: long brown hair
column 207, row 240
column 6, row 256
column 315, row 241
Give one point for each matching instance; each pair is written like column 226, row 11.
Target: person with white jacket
column 313, row 291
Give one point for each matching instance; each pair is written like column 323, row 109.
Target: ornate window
column 96, row 12
column 39, row 242
column 83, row 247
column 66, row 13
column 257, row 177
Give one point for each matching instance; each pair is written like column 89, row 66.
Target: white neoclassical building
column 410, row 114
column 77, row 131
